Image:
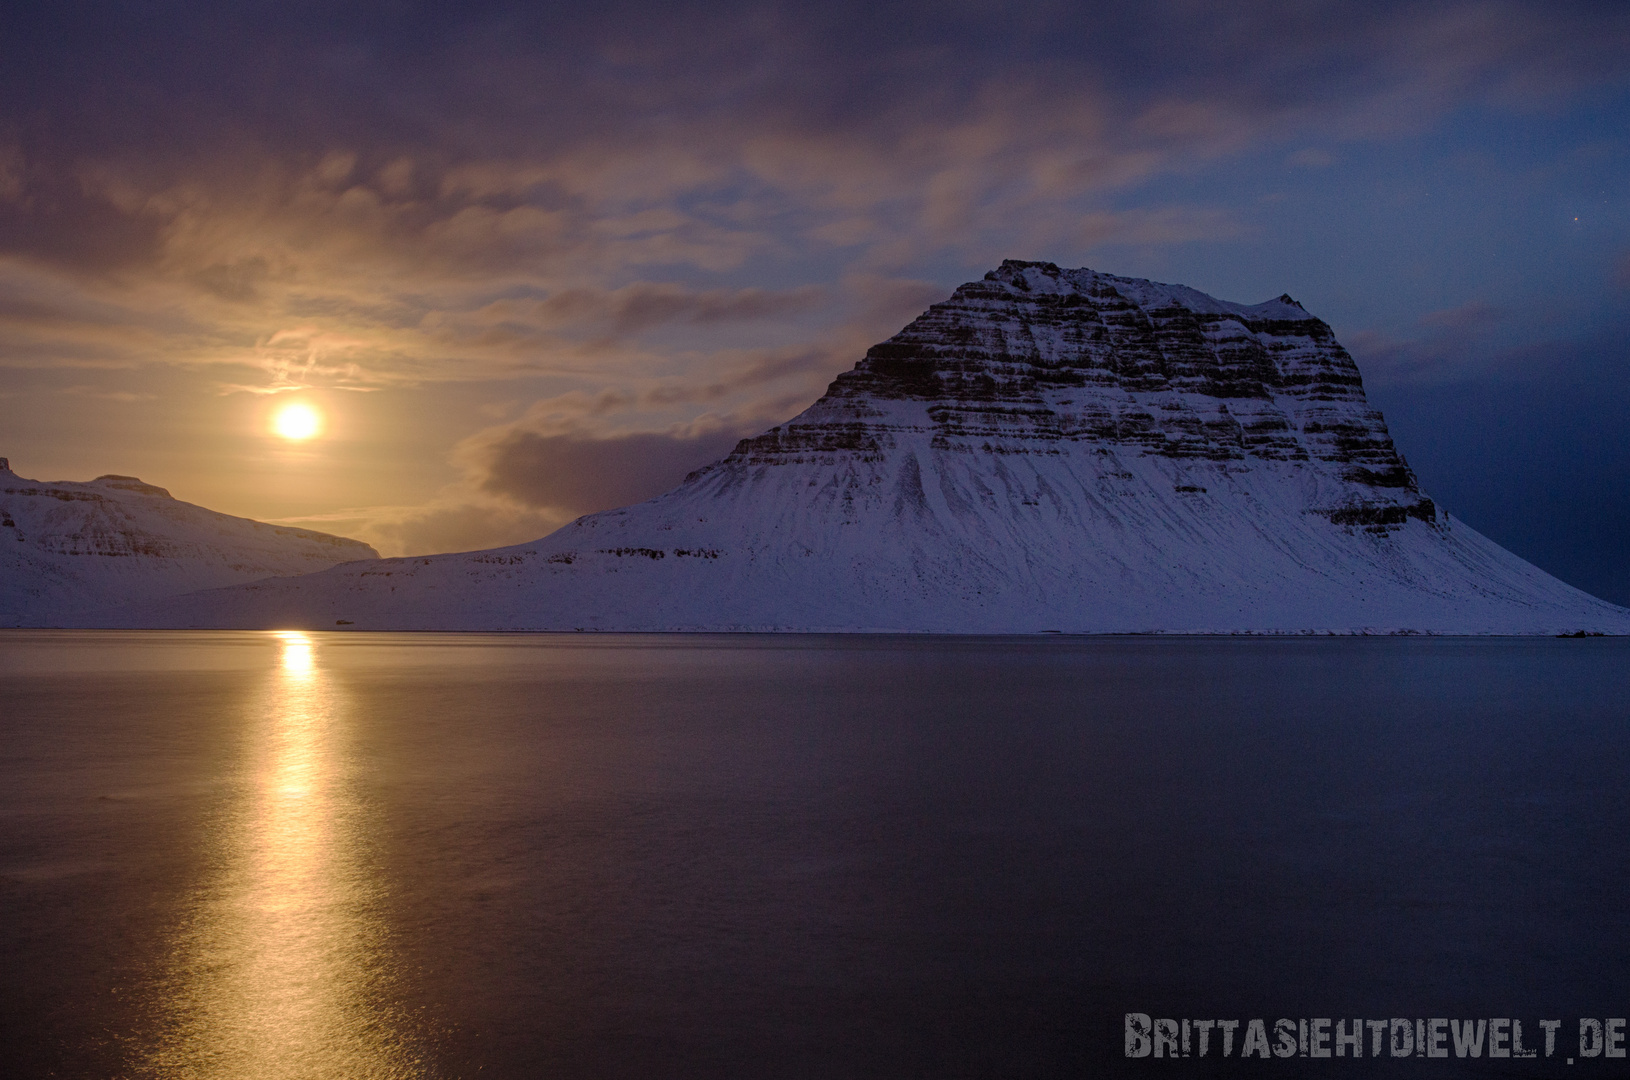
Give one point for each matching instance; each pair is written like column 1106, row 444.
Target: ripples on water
column 323, row 855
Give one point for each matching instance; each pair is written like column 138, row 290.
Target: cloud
column 453, row 521
column 1311, row 158
column 1454, row 344
column 124, row 396
column 641, row 307
column 1166, row 225
column 1446, row 358
column 600, row 317
column 237, row 281
column 1434, row 360
column 1471, row 316
column 579, row 473
column 465, row 195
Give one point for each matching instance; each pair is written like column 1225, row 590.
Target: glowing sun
column 297, row 422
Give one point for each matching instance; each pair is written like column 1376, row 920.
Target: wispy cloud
column 1468, row 317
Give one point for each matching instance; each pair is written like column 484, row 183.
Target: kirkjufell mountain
column 1047, row 450
column 66, row 547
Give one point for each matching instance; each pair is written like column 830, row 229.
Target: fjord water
column 353, row 855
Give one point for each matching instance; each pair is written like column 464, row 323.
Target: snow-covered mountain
column 1047, row 450
column 66, row 547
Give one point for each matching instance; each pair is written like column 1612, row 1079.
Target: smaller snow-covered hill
column 67, row 547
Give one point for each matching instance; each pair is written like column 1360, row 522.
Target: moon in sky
column 297, row 422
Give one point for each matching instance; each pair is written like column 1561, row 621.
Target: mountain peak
column 1014, row 271
column 115, row 482
column 1050, row 278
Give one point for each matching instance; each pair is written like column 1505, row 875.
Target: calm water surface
column 288, row 855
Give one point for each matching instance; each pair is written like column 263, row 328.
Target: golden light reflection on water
column 283, row 970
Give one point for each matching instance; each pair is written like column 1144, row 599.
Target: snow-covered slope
column 1046, row 450
column 66, row 547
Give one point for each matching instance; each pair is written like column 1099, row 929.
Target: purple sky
column 533, row 260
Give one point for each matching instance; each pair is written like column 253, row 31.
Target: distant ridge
column 1046, row 450
column 67, row 547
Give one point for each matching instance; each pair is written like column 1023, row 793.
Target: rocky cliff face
column 66, row 547
column 1034, row 358
column 1047, row 450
